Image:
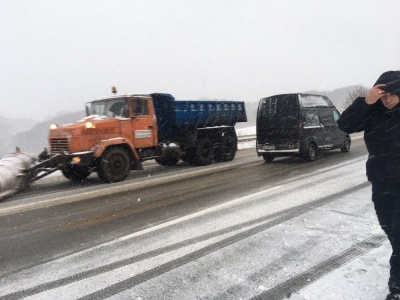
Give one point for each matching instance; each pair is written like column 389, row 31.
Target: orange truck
column 122, row 131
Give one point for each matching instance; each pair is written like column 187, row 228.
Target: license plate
column 268, row 147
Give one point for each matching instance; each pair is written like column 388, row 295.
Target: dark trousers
column 386, row 198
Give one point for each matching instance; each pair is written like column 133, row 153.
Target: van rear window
column 278, row 109
column 313, row 101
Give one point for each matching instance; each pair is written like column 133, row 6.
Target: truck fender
column 99, row 149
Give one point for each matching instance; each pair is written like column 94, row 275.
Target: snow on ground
column 246, row 144
column 246, row 131
column 364, row 277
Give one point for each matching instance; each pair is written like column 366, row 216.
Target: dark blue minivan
column 298, row 124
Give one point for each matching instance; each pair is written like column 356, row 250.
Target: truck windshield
column 109, row 108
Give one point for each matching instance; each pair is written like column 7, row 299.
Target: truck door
column 144, row 124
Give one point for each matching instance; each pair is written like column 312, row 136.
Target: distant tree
column 357, row 91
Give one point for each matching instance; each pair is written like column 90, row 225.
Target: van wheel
column 114, row 165
column 311, row 153
column 76, row 173
column 204, row 152
column 268, row 157
column 346, row 145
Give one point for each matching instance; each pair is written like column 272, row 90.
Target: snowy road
column 272, row 242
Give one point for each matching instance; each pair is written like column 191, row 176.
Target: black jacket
column 381, row 128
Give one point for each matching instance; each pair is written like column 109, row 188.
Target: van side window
column 326, row 117
column 311, row 118
column 139, row 107
column 313, row 101
column 336, row 115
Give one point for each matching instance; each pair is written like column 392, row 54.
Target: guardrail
column 246, row 138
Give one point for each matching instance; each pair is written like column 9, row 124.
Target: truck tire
column 204, row 152
column 114, row 165
column 76, row 173
column 227, row 148
column 188, row 157
column 167, row 161
column 169, row 156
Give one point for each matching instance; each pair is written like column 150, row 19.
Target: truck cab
column 122, row 129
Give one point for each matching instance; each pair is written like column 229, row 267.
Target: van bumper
column 287, row 149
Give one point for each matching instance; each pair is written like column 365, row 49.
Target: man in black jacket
column 378, row 115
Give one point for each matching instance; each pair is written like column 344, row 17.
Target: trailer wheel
column 114, row 165
column 204, row 152
column 76, row 173
column 227, row 148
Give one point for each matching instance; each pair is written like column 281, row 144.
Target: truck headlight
column 76, row 160
column 53, row 126
column 90, row 125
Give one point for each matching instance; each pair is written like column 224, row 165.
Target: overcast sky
column 57, row 55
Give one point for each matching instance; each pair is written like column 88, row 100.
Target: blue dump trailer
column 197, row 131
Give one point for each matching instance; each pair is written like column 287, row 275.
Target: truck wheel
column 167, row 161
column 204, row 152
column 76, row 173
column 346, row 145
column 311, row 153
column 169, row 156
column 188, row 157
column 114, row 165
column 268, row 157
column 226, row 151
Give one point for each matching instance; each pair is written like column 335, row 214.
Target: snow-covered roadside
column 246, row 132
column 362, row 278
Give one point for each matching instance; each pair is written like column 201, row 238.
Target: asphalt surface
column 56, row 218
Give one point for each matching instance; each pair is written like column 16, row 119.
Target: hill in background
column 35, row 138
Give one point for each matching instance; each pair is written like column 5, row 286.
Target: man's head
column 391, row 88
column 387, row 77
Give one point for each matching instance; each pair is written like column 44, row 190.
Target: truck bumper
column 80, row 158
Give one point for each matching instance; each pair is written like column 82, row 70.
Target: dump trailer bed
column 177, row 116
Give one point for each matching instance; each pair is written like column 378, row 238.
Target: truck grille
column 59, row 145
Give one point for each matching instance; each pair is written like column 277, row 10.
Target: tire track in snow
column 169, row 266
column 285, row 289
column 259, row 225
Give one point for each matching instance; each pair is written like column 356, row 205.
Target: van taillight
column 300, row 128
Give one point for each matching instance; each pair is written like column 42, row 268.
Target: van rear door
column 278, row 120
